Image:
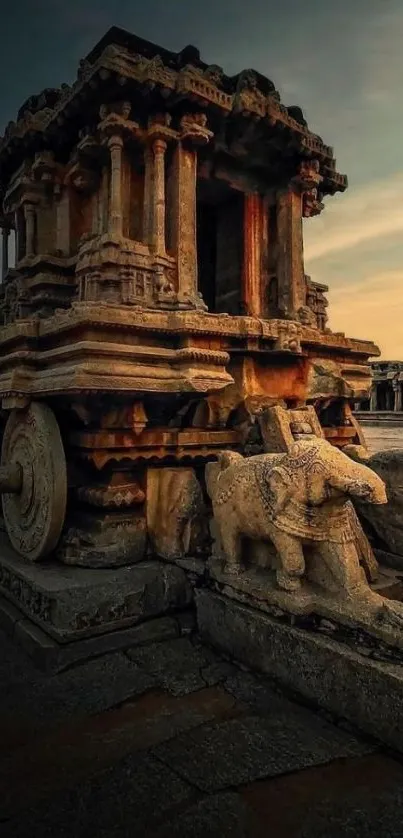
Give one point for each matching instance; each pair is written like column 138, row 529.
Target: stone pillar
column 148, row 194
column 115, row 222
column 290, row 263
column 158, row 198
column 397, row 387
column 63, row 222
column 253, row 255
column 184, row 223
column 373, row 402
column 29, row 213
column 103, row 203
column 4, row 252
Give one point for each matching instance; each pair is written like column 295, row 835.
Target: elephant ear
column 280, row 488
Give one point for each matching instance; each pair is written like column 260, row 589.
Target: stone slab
column 66, row 755
column 233, row 752
column 355, row 797
column 181, row 666
column 327, row 673
column 130, row 798
column 217, row 816
column 70, row 603
column 49, row 655
column 36, row 701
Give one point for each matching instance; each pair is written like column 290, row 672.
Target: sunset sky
column 341, row 62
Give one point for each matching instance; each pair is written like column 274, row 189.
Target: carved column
column 29, row 213
column 255, row 227
column 290, row 263
column 158, row 198
column 373, row 402
column 194, row 133
column 18, row 235
column 397, row 387
column 115, row 145
column 184, row 227
column 4, row 251
column 63, row 221
column 103, row 208
column 148, row 194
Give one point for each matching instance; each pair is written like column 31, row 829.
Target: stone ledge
column 49, row 655
column 367, row 693
column 72, row 603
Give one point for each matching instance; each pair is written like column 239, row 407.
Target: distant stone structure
column 386, row 389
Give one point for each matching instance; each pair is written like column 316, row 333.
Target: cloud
column 371, row 309
column 371, row 212
column 380, row 54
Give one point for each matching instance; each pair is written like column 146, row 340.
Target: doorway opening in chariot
column 219, row 216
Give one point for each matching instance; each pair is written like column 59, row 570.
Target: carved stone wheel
column 34, row 516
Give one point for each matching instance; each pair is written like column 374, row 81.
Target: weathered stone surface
column 132, row 797
column 181, row 666
column 325, row 379
column 176, row 514
column 72, row 603
column 63, row 757
column 388, row 522
column 217, row 816
column 43, row 700
column 230, row 753
column 51, row 656
column 354, row 797
column 258, row 693
column 367, row 693
column 275, row 427
column 103, row 541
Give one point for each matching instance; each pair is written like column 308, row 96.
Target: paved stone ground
column 170, row 741
column 382, row 438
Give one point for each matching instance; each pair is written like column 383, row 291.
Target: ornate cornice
column 248, row 95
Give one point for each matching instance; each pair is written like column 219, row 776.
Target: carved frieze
column 124, row 272
column 33, row 601
column 112, row 497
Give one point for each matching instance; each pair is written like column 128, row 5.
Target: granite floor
column 383, row 437
column 169, row 739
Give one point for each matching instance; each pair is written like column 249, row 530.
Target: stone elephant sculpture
column 293, row 499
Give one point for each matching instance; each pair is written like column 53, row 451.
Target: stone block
column 176, row 516
column 9, row 616
column 51, row 656
column 328, row 673
column 71, row 603
column 104, row 540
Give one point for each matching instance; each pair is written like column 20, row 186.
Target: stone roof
column 131, row 63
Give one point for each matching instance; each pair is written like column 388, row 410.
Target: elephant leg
column 231, row 544
column 343, row 564
column 289, row 549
